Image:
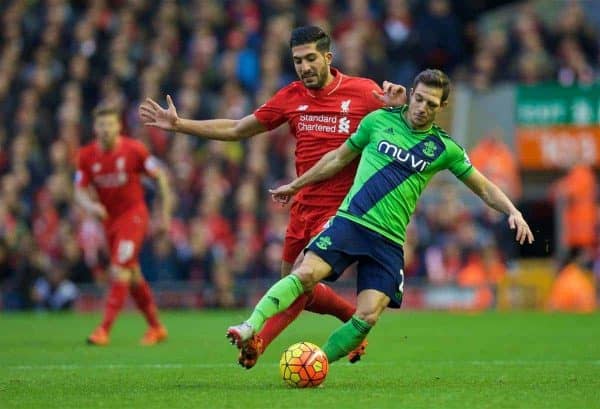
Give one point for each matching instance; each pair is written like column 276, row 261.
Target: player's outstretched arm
column 166, row 197
column 330, row 164
column 494, row 197
column 152, row 114
column 83, row 199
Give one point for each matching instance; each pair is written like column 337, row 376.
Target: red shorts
column 305, row 222
column 125, row 236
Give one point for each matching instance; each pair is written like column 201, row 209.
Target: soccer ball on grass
column 303, row 365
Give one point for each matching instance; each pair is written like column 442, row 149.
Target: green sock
column 346, row 338
column 279, row 297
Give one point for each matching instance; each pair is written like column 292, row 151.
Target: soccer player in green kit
column 401, row 150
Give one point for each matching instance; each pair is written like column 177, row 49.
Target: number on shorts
column 125, row 250
column 401, row 286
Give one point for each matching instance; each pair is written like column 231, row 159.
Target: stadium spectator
column 576, row 199
column 400, row 40
column 484, row 268
column 53, row 291
column 498, row 163
column 573, row 289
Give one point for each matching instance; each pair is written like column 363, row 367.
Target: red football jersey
column 116, row 173
column 321, row 120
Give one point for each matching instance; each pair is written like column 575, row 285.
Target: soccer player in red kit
column 113, row 165
column 322, row 109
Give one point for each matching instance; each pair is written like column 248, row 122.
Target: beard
column 317, row 79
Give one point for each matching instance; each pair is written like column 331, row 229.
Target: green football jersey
column 396, row 164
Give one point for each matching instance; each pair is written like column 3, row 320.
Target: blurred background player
column 402, row 149
column 322, row 110
column 113, row 165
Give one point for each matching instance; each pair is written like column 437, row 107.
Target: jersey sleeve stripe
column 352, row 145
column 468, row 170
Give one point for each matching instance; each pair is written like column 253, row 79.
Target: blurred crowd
column 59, row 58
column 530, row 51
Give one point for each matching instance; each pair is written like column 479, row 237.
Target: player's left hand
column 283, row 193
column 393, row 94
column 516, row 221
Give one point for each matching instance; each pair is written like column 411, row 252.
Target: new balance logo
column 302, row 108
column 274, row 300
column 389, row 131
column 345, row 106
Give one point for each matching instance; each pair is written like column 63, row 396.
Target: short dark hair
column 105, row 109
column 311, row 34
column 434, row 78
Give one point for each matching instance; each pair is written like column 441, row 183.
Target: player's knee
column 287, row 267
column 307, row 277
column 120, row 273
column 369, row 312
column 369, row 315
column 136, row 274
column 370, row 305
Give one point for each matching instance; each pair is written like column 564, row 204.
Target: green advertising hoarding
column 557, row 126
column 547, row 105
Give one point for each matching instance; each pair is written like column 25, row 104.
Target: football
column 303, row 365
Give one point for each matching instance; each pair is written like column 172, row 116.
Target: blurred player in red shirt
column 322, row 109
column 113, row 165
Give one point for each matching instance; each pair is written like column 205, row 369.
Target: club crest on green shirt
column 429, row 148
column 323, row 242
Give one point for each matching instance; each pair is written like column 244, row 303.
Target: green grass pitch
column 414, row 360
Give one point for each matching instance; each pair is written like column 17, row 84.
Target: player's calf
column 346, row 338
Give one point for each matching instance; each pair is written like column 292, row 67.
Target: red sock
column 323, row 300
column 277, row 323
column 142, row 296
column 114, row 303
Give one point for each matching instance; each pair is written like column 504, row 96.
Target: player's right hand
column 283, row 193
column 394, row 95
column 152, row 114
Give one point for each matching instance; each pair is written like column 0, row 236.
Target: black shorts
column 380, row 261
